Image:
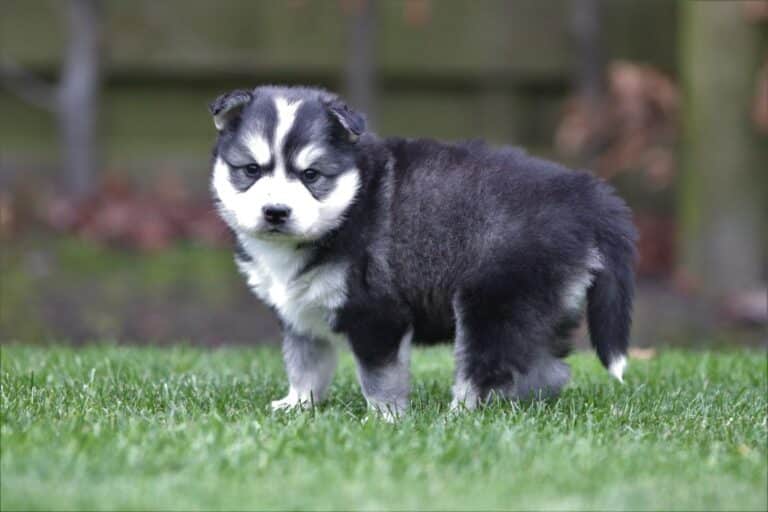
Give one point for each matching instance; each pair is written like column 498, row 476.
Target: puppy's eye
column 252, row 171
column 310, row 175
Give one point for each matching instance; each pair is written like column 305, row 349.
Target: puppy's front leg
column 310, row 364
column 386, row 378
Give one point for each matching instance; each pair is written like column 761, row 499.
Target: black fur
column 501, row 231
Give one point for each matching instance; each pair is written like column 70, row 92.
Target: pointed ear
column 228, row 107
column 352, row 122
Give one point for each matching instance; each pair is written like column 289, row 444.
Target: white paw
column 389, row 416
column 292, row 401
column 459, row 406
column 465, row 397
column 388, row 413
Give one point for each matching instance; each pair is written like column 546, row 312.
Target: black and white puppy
column 372, row 243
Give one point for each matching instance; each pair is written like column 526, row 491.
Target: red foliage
column 634, row 127
column 760, row 110
column 7, row 215
column 417, row 13
column 122, row 215
column 756, row 11
column 656, row 245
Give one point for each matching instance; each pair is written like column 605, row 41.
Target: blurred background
column 107, row 230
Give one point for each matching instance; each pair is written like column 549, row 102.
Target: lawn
column 188, row 428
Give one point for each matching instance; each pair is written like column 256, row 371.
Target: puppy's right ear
column 227, row 108
column 351, row 121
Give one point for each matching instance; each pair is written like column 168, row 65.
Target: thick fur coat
column 374, row 243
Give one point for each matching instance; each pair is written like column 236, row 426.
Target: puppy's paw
column 389, row 416
column 378, row 416
column 291, row 401
column 460, row 406
column 388, row 413
column 465, row 397
column 456, row 406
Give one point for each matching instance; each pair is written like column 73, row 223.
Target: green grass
column 184, row 428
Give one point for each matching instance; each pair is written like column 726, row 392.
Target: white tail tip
column 617, row 367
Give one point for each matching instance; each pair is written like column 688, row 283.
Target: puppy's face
column 285, row 162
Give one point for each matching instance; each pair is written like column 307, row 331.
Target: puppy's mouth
column 273, row 232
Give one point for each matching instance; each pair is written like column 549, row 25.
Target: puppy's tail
column 609, row 299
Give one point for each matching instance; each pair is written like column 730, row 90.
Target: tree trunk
column 78, row 95
column 585, row 21
column 722, row 153
column 586, row 31
column 360, row 71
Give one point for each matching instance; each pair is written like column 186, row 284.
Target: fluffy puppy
column 371, row 243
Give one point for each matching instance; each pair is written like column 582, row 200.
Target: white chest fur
column 305, row 302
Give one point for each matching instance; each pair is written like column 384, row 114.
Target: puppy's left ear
column 228, row 107
column 351, row 121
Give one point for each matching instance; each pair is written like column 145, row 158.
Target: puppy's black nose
column 276, row 213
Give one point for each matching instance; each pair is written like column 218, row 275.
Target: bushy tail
column 609, row 299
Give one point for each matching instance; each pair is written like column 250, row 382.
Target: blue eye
column 252, row 171
column 310, row 175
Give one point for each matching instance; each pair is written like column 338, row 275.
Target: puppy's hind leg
column 310, row 364
column 466, row 394
column 547, row 374
column 544, row 378
column 502, row 348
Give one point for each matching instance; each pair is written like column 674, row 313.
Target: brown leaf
column 642, row 354
column 760, row 108
column 634, row 126
column 7, row 215
column 755, row 11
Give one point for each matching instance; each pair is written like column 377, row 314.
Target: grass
column 65, row 288
column 108, row 427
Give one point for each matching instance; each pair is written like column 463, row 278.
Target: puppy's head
column 284, row 165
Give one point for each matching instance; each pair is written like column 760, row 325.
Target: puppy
column 374, row 243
